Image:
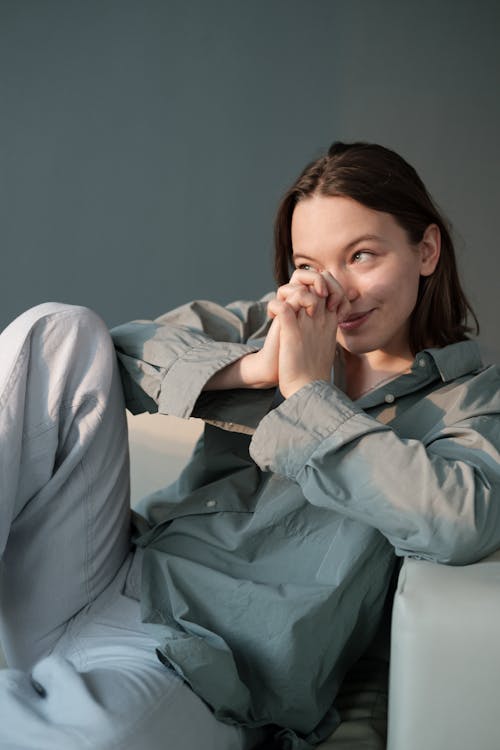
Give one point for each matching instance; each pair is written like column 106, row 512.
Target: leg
column 95, row 681
column 64, row 477
column 103, row 688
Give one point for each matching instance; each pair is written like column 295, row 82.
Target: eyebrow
column 361, row 238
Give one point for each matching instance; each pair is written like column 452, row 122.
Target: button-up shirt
column 266, row 565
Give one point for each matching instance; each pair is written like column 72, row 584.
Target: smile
column 355, row 321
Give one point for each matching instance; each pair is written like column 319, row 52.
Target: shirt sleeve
column 437, row 497
column 165, row 363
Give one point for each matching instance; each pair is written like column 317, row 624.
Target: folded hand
column 308, row 310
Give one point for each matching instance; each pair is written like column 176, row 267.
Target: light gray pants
column 82, row 668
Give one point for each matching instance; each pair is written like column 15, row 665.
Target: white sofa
column 445, row 657
column 444, row 685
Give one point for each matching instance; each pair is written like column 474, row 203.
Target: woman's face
column 370, row 256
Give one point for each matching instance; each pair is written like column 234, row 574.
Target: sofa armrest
column 444, row 683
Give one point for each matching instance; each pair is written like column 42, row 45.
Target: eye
column 304, row 267
column 361, row 256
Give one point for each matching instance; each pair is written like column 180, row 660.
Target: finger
column 278, row 310
column 274, row 331
column 343, row 309
column 299, row 297
column 284, row 291
column 273, row 335
column 339, row 305
column 311, row 279
column 274, row 307
column 335, row 300
column 288, row 323
column 335, row 290
column 304, row 299
column 324, row 283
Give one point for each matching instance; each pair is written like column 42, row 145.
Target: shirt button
column 211, row 503
column 389, row 398
column 422, row 362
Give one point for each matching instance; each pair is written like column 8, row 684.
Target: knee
column 59, row 326
column 60, row 317
column 47, row 311
column 83, row 319
column 80, row 330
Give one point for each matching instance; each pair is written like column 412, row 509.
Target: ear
column 430, row 249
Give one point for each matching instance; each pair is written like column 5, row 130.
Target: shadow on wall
column 490, row 355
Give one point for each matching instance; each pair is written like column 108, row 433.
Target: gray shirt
column 266, row 565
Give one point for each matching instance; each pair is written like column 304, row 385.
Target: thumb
column 273, row 334
column 289, row 321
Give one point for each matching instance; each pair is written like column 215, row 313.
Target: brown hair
column 382, row 180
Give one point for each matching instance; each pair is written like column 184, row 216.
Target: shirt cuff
column 186, row 378
column 287, row 437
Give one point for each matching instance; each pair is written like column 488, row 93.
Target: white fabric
column 82, row 670
column 64, row 474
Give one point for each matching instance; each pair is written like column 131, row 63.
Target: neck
column 364, row 372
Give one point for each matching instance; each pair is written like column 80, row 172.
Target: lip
column 355, row 321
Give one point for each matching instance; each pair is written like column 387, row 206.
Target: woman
column 346, row 416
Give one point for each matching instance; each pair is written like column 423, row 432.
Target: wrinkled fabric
column 266, row 565
column 82, row 669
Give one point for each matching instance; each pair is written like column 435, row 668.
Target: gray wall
column 144, row 145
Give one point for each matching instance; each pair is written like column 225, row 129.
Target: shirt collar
column 447, row 363
column 455, row 360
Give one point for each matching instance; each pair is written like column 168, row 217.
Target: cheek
column 396, row 293
column 382, row 289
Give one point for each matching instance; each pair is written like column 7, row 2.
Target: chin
column 358, row 347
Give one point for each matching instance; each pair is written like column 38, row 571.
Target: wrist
column 289, row 389
column 292, row 387
column 245, row 372
column 252, row 373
